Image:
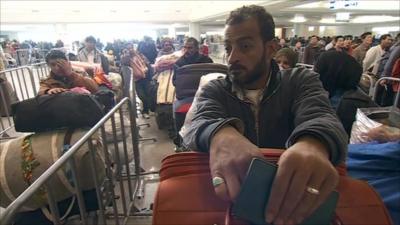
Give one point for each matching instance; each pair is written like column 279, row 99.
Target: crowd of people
column 376, row 57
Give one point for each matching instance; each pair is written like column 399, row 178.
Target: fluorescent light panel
column 374, row 19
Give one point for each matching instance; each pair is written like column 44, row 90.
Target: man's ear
column 270, row 48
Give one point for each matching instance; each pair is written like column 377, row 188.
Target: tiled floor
column 151, row 155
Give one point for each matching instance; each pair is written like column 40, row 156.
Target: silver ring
column 312, row 190
column 216, row 181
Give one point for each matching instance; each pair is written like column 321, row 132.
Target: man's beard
column 241, row 77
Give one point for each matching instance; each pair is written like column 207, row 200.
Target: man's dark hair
column 55, row 54
column 348, row 37
column 383, row 37
column 364, row 35
column 194, row 41
column 315, row 36
column 397, row 38
column 265, row 21
column 337, row 37
column 90, row 39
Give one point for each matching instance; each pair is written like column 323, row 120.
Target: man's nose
column 234, row 56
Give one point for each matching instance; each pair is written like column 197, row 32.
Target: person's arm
column 356, row 55
column 306, row 175
column 305, row 56
column 44, row 87
column 313, row 116
column 369, row 59
column 49, row 87
column 209, row 115
column 88, row 83
column 387, row 71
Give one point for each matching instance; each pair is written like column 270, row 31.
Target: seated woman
column 340, row 74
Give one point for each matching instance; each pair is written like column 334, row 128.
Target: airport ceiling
column 211, row 13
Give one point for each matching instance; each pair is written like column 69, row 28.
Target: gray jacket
column 83, row 55
column 293, row 105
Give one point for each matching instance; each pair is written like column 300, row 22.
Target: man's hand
column 303, row 166
column 65, row 67
column 230, row 157
column 55, row 91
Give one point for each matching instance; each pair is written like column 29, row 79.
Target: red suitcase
column 185, row 195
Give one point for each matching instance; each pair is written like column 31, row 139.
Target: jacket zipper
column 263, row 101
column 257, row 116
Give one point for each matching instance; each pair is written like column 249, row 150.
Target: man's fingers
column 222, row 191
column 227, row 186
column 326, row 189
column 293, row 196
column 56, row 91
column 278, row 191
column 308, row 200
column 233, row 184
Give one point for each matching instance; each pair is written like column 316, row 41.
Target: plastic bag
column 375, row 124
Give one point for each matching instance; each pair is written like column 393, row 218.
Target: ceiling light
column 312, row 5
column 385, row 30
column 327, row 20
column 220, row 20
column 343, row 16
column 311, row 28
column 374, row 19
column 322, row 28
column 298, row 19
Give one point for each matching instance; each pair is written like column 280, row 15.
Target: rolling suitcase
column 186, row 196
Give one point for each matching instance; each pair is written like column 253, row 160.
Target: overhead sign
column 343, row 4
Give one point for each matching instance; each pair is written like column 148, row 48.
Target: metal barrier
column 307, row 66
column 23, row 56
column 40, row 71
column 377, row 85
column 371, row 80
column 127, row 185
column 24, row 82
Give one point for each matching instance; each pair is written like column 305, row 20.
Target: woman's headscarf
column 338, row 71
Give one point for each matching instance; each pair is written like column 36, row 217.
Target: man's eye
column 245, row 46
column 228, row 49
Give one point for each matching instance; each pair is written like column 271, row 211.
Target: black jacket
column 347, row 108
column 294, row 104
column 197, row 58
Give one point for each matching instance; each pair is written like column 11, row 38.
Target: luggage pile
column 55, row 123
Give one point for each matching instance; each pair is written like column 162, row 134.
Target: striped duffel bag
column 24, row 159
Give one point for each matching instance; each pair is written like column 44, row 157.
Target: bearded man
column 257, row 106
